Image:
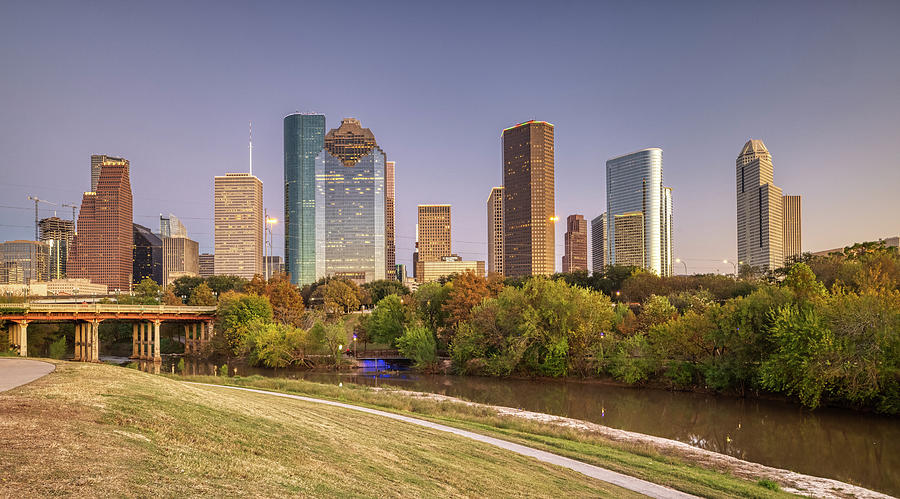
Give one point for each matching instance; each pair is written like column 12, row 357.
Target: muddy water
column 863, row 449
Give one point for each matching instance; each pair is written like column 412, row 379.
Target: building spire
column 251, row 147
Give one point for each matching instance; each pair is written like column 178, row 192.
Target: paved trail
column 16, row 372
column 628, row 482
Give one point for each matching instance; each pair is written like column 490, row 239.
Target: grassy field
column 639, row 461
column 100, row 430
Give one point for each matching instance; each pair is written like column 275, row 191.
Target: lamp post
column 679, row 260
column 268, row 231
column 733, row 265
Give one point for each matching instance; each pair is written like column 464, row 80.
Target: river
column 858, row 448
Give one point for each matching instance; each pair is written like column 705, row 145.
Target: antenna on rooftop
column 251, row 147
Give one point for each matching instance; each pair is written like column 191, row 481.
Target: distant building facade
column 529, row 202
column 634, row 185
column 24, row 262
column 207, row 265
column 576, row 252
column 181, row 257
column 102, row 249
column 304, row 138
column 433, row 241
column 446, row 266
column 762, row 224
column 170, row 226
column 350, row 205
column 97, row 161
column 148, row 256
column 58, row 234
column 599, row 243
column 390, row 241
column 238, row 225
column 275, row 265
column 792, row 241
column 495, row 230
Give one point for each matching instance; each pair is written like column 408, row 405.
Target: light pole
column 679, row 260
column 268, row 231
column 733, row 265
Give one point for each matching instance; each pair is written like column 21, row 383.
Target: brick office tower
column 529, row 202
column 575, row 257
column 103, row 247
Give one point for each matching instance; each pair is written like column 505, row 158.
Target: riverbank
column 103, row 430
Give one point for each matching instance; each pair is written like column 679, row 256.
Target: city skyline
column 794, row 108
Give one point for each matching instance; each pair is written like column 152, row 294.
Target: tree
column 388, row 320
column 220, row 284
column 147, row 291
column 802, row 282
column 184, row 285
column 287, row 304
column 417, row 343
column 468, row 291
column 237, row 315
column 381, row 288
column 202, row 296
column 169, row 297
column 281, row 345
column 333, row 336
column 341, row 296
column 429, row 300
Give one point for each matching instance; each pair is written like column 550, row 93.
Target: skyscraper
column 207, row 265
column 147, row 255
column 238, row 225
column 24, row 262
column 792, row 240
column 304, row 138
column 58, row 235
column 97, row 161
column 390, row 244
column 433, row 235
column 350, row 205
column 529, row 203
column 575, row 257
column 495, row 230
column 634, row 187
column 599, row 243
column 760, row 216
column 102, row 250
column 181, row 257
column 170, row 226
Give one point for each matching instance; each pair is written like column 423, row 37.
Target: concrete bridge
column 146, row 319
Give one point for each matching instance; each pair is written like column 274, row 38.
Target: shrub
column 58, row 348
column 418, row 344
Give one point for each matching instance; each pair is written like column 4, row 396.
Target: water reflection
column 853, row 447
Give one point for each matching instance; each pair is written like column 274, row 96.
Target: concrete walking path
column 17, row 372
column 627, row 482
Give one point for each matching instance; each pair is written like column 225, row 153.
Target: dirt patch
column 790, row 481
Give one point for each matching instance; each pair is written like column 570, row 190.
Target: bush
column 418, row 344
column 58, row 348
column 223, row 370
column 632, row 363
column 180, row 366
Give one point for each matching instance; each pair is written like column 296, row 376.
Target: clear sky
column 171, row 87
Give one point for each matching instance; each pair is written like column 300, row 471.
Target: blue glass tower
column 304, row 138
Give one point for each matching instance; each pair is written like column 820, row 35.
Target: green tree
column 147, row 291
column 417, row 343
column 381, row 288
column 221, row 284
column 387, row 322
column 202, row 296
column 239, row 314
column 429, row 301
column 802, row 282
column 184, row 285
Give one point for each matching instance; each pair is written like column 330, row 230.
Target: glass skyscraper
column 634, row 187
column 304, row 138
column 350, row 205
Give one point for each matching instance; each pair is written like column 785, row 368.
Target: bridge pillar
column 134, row 340
column 195, row 337
column 209, row 331
column 156, row 355
column 145, row 336
column 187, row 340
column 95, row 341
column 77, row 356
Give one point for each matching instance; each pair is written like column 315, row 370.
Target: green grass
column 635, row 460
column 103, row 430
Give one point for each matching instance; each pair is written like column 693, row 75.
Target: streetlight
column 679, row 260
column 268, row 230
column 733, row 265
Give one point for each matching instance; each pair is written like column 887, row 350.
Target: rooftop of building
column 529, row 122
column 648, row 149
column 754, row 146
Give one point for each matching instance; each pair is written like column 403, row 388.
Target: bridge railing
column 106, row 308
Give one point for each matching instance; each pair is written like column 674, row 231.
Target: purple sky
column 172, row 86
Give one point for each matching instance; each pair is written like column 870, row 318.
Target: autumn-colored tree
column 341, row 296
column 287, row 304
column 202, row 296
column 468, row 291
column 169, row 297
column 256, row 286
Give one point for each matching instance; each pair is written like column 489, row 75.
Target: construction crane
column 74, row 207
column 36, row 201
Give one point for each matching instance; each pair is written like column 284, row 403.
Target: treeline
column 830, row 339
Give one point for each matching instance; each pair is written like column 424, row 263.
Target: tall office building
column 390, row 244
column 575, row 256
column 495, row 230
column 350, row 205
column 760, row 215
column 24, row 262
column 529, row 203
column 634, row 187
column 207, row 265
column 170, row 226
column 599, row 243
column 791, row 237
column 181, row 257
column 238, row 225
column 57, row 234
column 147, row 255
column 97, row 161
column 304, row 138
column 103, row 248
column 433, row 241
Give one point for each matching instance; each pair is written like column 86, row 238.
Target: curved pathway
column 17, row 372
column 627, row 482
